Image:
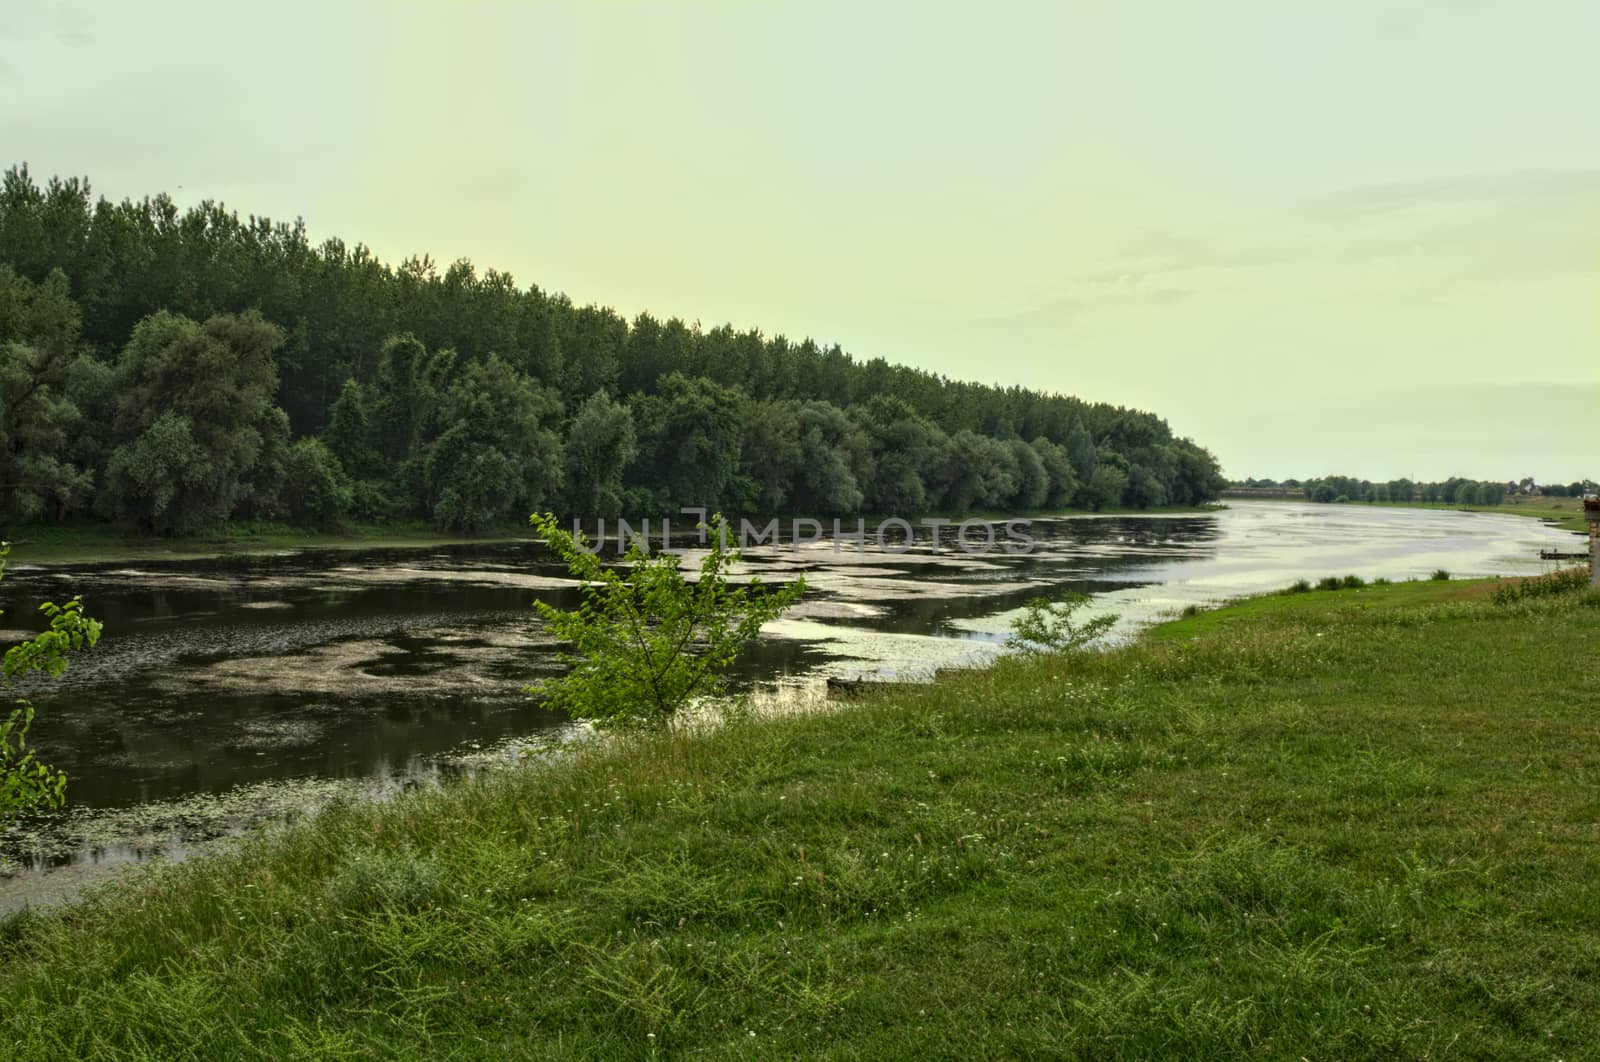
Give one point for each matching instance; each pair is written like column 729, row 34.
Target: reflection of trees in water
column 116, row 759
column 775, row 659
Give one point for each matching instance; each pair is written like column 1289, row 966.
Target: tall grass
column 1565, row 581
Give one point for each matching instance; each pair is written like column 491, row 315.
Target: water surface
column 232, row 690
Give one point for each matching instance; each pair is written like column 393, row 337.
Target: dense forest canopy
column 175, row 369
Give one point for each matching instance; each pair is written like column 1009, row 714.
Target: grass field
column 1565, row 513
column 1336, row 824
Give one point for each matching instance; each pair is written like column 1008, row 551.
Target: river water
column 237, row 690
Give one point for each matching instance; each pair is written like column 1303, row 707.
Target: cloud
column 1518, row 190
column 1111, row 290
column 1395, row 242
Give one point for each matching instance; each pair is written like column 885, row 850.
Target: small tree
column 1047, row 626
column 25, row 783
column 316, row 490
column 646, row 640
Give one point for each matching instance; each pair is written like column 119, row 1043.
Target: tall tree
column 1033, row 481
column 601, row 443
column 38, row 348
column 832, row 453
column 907, row 454
column 1062, row 479
column 690, row 431
column 194, row 417
column 501, row 454
column 1080, row 450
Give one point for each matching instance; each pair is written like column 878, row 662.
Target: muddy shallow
column 230, row 691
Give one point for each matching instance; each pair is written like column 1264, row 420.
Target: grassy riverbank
column 88, row 543
column 1330, row 824
column 1564, row 513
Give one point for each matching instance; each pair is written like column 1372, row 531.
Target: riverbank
column 1564, row 513
column 47, row 544
column 92, row 543
column 1333, row 823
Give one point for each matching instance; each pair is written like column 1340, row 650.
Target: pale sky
column 1317, row 237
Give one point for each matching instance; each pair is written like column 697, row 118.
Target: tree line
column 1456, row 490
column 175, row 369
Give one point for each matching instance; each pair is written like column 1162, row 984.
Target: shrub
column 1439, row 575
column 1047, row 626
column 25, row 783
column 392, row 881
column 1299, row 586
column 373, row 501
column 645, row 642
column 315, row 490
column 1352, row 582
column 1330, row 582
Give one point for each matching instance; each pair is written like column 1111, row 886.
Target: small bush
column 1352, row 582
column 315, row 489
column 1046, row 626
column 1381, row 581
column 1299, row 586
column 25, row 783
column 1439, row 575
column 647, row 640
column 1330, row 582
column 393, row 881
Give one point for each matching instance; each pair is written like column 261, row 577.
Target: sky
column 1317, row 238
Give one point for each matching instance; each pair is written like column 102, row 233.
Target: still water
column 235, row 690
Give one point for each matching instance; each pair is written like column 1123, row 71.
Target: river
column 240, row 689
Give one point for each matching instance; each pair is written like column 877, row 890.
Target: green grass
column 1564, row 513
column 1336, row 824
column 1297, row 607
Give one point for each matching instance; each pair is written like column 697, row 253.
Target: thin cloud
column 1543, row 187
column 1115, row 292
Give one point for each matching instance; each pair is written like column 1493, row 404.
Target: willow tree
column 194, row 418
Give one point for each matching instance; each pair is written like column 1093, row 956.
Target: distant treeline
column 176, row 369
column 1455, row 490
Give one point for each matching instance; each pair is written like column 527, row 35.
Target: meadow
column 1344, row 823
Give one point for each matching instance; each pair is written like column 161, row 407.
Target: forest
column 1457, row 490
column 173, row 369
